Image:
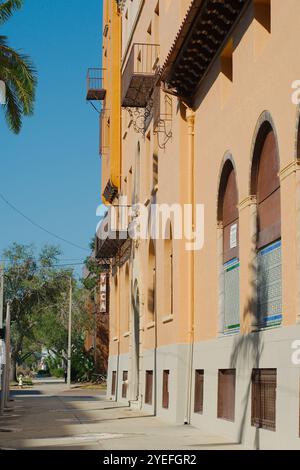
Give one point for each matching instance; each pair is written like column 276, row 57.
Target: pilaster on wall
column 220, row 278
column 248, row 263
column 290, row 230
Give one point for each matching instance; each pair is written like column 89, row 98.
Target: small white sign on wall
column 233, row 236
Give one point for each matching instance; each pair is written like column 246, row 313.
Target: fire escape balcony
column 109, row 240
column 95, row 89
column 139, row 75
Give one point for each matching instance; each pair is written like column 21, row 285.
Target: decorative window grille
column 269, row 290
column 232, row 296
column 264, row 383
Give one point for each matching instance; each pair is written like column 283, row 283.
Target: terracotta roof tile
column 180, row 36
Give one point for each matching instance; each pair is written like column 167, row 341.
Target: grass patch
column 91, row 386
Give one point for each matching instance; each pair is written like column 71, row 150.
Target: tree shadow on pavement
column 24, row 393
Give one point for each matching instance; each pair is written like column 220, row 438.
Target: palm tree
column 18, row 74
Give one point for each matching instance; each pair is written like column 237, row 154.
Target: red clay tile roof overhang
column 203, row 32
column 181, row 36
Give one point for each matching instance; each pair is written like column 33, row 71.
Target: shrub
column 25, row 371
column 58, row 373
column 27, row 381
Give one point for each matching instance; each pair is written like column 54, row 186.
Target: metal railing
column 141, row 67
column 145, row 58
column 94, row 81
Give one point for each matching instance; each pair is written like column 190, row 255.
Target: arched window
column 168, row 272
column 151, row 281
column 228, row 216
column 266, row 186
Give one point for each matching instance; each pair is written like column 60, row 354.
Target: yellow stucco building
column 200, row 133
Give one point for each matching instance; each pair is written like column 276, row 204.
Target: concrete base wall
column 267, row 349
column 148, row 364
column 118, row 364
column 174, row 359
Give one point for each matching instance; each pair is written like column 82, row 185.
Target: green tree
column 18, row 74
column 39, row 294
column 32, row 284
column 94, row 268
column 51, row 331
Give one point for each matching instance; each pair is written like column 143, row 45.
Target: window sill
column 228, row 334
column 228, row 420
column 258, row 328
column 150, row 325
column 167, row 319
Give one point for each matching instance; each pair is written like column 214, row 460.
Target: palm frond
column 19, row 70
column 19, row 75
column 7, row 8
column 13, row 111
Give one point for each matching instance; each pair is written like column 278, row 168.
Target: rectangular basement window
column 149, row 387
column 226, row 394
column 113, row 382
column 264, row 383
column 124, row 384
column 165, row 395
column 199, row 385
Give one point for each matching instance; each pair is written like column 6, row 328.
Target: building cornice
column 204, row 32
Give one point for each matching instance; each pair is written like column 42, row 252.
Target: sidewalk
column 50, row 417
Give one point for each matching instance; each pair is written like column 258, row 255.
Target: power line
column 55, row 265
column 39, row 226
column 70, row 264
column 62, row 260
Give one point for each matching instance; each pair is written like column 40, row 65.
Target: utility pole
column 2, row 352
column 7, row 355
column 70, row 337
column 95, row 339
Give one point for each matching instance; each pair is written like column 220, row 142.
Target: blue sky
column 51, row 171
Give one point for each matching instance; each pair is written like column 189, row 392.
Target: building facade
column 201, row 125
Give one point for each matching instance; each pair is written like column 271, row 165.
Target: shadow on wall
column 248, row 347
